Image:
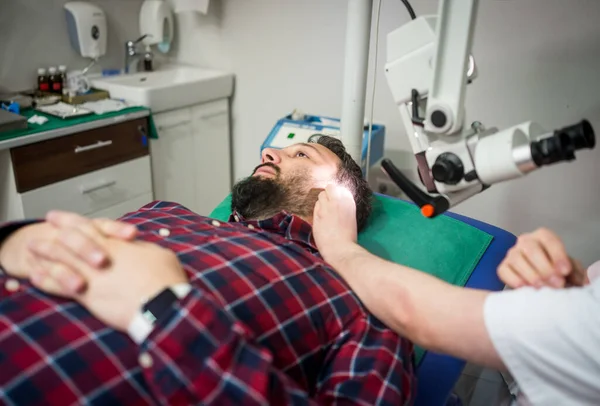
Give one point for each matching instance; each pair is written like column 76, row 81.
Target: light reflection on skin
column 337, row 189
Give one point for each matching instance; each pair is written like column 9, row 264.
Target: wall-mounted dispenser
column 156, row 20
column 86, row 24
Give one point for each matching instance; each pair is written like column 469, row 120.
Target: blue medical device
column 288, row 131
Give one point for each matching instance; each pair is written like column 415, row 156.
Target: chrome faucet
column 133, row 55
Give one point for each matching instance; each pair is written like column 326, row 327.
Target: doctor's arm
column 432, row 313
column 429, row 312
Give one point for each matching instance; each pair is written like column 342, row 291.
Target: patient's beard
column 258, row 198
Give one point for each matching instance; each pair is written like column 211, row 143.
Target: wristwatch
column 159, row 305
column 155, row 309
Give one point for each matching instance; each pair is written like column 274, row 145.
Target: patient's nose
column 270, row 155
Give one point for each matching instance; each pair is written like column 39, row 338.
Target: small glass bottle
column 42, row 79
column 55, row 80
column 62, row 71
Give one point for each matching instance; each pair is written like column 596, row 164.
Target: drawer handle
column 85, row 191
column 211, row 115
column 99, row 144
column 179, row 124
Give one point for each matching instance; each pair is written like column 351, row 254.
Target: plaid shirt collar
column 288, row 225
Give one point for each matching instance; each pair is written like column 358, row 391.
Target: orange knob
column 428, row 210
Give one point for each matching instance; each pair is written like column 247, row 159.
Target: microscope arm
column 429, row 65
column 454, row 39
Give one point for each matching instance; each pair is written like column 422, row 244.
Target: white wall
column 538, row 59
column 33, row 33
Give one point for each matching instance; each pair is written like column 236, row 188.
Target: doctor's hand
column 63, row 237
column 137, row 272
column 539, row 259
column 334, row 222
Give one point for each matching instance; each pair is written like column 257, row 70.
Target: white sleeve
column 549, row 339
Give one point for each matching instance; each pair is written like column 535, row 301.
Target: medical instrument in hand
column 429, row 65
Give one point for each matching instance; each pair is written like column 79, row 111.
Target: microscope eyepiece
column 581, row 135
column 562, row 144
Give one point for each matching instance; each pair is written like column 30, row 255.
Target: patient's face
column 289, row 179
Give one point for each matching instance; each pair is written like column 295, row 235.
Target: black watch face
column 161, row 304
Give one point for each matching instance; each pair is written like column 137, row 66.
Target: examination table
column 455, row 248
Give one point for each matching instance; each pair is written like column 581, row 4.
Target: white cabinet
column 212, row 150
column 97, row 169
column 191, row 159
column 172, row 157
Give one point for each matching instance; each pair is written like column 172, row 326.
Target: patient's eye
column 301, row 154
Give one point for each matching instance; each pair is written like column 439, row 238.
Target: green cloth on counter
column 54, row 122
column 443, row 247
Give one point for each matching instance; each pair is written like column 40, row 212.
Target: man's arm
column 431, row 313
column 368, row 364
column 200, row 355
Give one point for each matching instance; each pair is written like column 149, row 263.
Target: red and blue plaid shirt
column 267, row 322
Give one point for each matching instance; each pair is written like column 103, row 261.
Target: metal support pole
column 358, row 33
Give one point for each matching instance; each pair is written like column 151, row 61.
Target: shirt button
column 250, row 226
column 12, row 285
column 145, row 360
column 164, row 232
column 216, row 223
column 237, row 219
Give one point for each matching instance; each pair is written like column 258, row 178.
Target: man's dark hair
column 349, row 175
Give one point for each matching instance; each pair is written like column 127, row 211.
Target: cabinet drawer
column 93, row 191
column 47, row 162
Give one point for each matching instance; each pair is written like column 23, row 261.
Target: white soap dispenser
column 156, row 20
column 86, row 25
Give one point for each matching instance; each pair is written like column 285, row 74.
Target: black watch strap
column 159, row 305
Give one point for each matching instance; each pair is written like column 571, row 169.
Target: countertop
column 57, row 127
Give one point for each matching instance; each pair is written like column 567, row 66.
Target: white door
column 173, row 158
column 212, row 154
